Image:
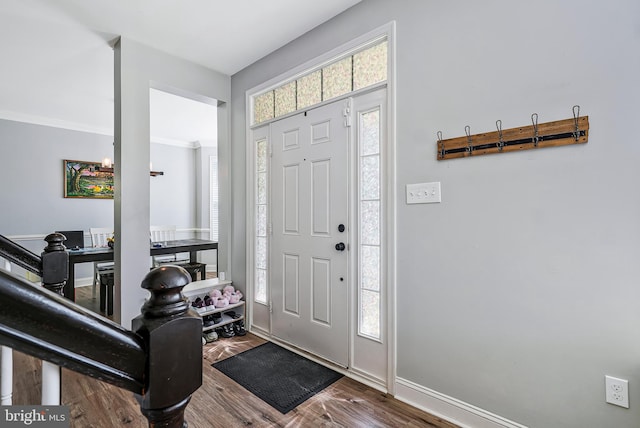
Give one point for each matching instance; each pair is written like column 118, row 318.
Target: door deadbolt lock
column 340, row 246
column 341, row 228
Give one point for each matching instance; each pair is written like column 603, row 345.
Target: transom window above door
column 346, row 74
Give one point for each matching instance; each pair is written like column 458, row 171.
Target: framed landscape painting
column 83, row 180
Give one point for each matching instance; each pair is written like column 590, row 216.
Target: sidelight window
column 260, row 249
column 369, row 254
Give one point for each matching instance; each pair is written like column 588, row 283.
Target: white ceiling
column 57, row 65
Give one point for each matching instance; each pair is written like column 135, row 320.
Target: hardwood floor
column 84, row 298
column 220, row 402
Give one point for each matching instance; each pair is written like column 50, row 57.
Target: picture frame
column 83, row 179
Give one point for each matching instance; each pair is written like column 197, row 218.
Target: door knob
column 340, row 246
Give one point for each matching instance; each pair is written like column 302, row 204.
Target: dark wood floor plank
column 220, row 402
column 27, row 379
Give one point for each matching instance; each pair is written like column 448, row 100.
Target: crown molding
column 81, row 127
column 172, row 142
column 54, row 123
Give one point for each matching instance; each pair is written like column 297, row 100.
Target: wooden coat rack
column 549, row 134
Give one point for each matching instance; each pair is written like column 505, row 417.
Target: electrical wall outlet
column 616, row 391
column 423, row 193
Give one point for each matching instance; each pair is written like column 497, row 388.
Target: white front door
column 310, row 218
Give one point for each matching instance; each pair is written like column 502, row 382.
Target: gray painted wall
column 33, row 175
column 517, row 293
column 173, row 195
column 34, row 205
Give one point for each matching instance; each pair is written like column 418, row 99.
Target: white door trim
column 389, row 31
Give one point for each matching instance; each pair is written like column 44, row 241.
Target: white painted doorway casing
column 367, row 362
column 369, row 354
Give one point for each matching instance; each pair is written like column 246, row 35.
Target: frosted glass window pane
column 370, row 313
column 262, row 188
column 263, row 107
column 370, row 267
column 336, row 79
column 370, row 66
column 285, row 99
column 261, row 221
column 261, row 155
column 310, row 89
column 261, row 253
column 370, row 222
column 370, row 177
column 261, row 286
column 370, row 133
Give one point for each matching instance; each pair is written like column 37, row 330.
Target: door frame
column 389, row 183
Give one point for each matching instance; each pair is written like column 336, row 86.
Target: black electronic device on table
column 75, row 239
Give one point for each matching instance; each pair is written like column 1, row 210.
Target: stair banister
column 38, row 322
column 20, row 256
column 6, row 365
column 172, row 332
column 55, row 273
column 160, row 361
column 52, row 266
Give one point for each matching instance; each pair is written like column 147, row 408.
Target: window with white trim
column 213, row 198
column 260, row 248
column 341, row 76
column 369, row 216
column 360, row 68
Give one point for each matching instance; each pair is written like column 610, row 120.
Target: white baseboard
column 449, row 408
column 28, row 238
column 83, row 282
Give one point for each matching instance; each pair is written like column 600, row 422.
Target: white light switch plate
column 423, row 193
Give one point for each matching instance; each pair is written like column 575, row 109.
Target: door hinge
column 270, row 229
column 270, row 149
column 346, row 112
column 270, row 307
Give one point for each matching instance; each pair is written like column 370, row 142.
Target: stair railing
column 20, row 256
column 6, row 364
column 41, row 323
column 54, row 260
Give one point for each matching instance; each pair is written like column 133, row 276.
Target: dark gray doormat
column 279, row 377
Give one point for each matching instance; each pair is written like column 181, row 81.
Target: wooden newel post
column 55, row 263
column 173, row 336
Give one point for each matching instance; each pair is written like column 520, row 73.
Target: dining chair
column 161, row 234
column 99, row 236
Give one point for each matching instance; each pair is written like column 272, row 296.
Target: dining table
column 104, row 254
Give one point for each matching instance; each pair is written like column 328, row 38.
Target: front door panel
column 310, row 190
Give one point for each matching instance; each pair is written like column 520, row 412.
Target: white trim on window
column 369, row 39
column 388, row 215
column 214, row 191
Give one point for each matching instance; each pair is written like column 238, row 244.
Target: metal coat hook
column 576, row 116
column 536, row 135
column 534, row 120
column 441, row 144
